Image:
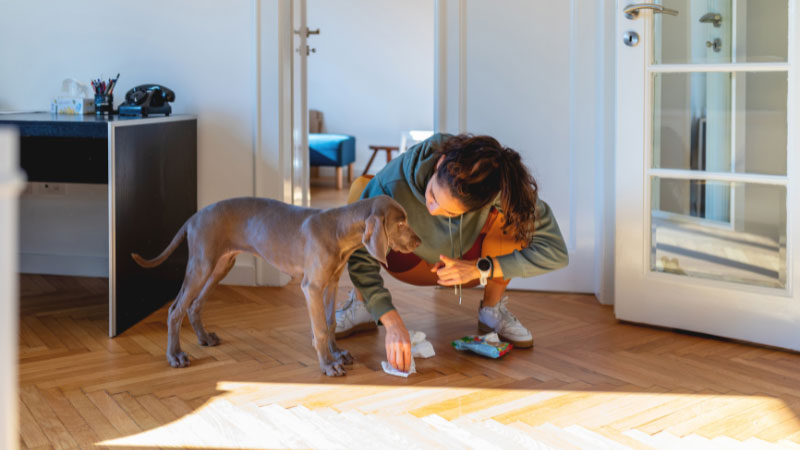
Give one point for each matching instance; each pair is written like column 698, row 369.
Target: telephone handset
column 147, row 99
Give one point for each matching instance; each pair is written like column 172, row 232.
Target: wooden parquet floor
column 625, row 382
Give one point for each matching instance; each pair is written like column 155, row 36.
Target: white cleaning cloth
column 491, row 338
column 420, row 348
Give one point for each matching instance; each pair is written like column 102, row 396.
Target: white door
column 527, row 73
column 707, row 168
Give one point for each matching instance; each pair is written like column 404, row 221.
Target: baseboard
column 268, row 275
column 67, row 265
column 242, row 274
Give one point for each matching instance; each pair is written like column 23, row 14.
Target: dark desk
column 150, row 166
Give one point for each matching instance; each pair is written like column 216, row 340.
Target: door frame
column 591, row 143
column 273, row 106
column 633, row 276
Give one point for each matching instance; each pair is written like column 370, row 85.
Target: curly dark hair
column 477, row 168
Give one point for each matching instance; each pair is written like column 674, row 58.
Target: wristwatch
column 485, row 268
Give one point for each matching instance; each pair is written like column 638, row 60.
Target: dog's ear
column 375, row 238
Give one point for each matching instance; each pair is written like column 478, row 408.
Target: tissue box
column 72, row 105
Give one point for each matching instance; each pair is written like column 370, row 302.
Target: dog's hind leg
column 224, row 265
column 197, row 273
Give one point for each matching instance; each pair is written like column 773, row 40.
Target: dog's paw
column 177, row 360
column 210, row 340
column 333, row 369
column 343, row 357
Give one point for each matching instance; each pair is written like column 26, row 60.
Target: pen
column 115, row 80
column 113, row 84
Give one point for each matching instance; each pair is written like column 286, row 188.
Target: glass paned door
column 702, row 116
column 704, row 234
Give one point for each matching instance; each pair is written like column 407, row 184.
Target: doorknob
column 309, row 50
column 632, row 11
column 716, row 44
column 630, row 38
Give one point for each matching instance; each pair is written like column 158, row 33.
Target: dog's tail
column 176, row 241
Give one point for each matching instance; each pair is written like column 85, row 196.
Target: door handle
column 309, row 31
column 714, row 18
column 632, row 11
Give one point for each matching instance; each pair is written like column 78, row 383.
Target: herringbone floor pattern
column 78, row 387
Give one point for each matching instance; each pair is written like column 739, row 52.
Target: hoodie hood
column 419, row 163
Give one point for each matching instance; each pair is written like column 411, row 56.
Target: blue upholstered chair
column 336, row 150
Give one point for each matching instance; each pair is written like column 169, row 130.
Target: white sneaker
column 353, row 317
column 500, row 320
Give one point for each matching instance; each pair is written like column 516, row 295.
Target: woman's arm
column 365, row 271
column 546, row 252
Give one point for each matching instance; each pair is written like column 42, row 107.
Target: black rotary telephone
column 147, row 99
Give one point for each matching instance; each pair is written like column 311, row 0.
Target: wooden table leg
column 339, row 183
column 369, row 163
column 350, row 173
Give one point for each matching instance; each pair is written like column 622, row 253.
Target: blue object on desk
column 331, row 149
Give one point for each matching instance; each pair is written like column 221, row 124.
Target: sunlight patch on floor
column 289, row 416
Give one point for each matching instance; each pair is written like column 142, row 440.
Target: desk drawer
column 64, row 159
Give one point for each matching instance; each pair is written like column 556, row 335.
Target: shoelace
column 350, row 308
column 507, row 315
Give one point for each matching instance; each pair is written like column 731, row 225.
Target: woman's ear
column 375, row 239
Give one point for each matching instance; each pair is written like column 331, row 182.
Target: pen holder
column 103, row 103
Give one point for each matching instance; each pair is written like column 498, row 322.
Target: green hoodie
column 405, row 179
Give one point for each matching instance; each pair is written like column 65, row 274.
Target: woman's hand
column 398, row 342
column 456, row 271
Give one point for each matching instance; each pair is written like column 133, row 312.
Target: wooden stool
column 339, row 175
column 377, row 148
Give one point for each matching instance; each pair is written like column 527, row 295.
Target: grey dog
column 307, row 244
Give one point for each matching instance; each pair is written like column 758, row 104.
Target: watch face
column 483, row 264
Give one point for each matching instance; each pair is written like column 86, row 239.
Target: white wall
column 204, row 50
column 536, row 76
column 372, row 74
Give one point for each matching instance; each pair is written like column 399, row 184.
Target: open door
column 706, row 167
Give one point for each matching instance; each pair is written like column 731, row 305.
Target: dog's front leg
column 313, row 291
column 341, row 355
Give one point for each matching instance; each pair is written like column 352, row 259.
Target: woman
column 476, row 209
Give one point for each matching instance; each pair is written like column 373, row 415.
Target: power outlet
column 52, row 189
